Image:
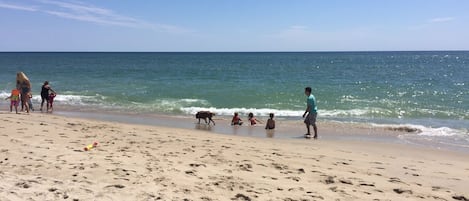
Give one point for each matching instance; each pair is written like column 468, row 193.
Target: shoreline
column 286, row 128
column 43, row 159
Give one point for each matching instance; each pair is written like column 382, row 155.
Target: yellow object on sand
column 91, row 146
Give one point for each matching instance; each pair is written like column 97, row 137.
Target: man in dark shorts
column 311, row 113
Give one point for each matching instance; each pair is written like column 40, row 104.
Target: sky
column 234, row 25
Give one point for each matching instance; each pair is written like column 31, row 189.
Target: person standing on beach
column 14, row 99
column 45, row 94
column 310, row 113
column 24, row 85
column 30, row 102
column 51, row 101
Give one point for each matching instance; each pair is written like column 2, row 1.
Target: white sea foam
column 189, row 100
column 423, row 130
column 73, row 99
column 242, row 111
column 277, row 112
column 338, row 113
column 62, row 98
column 4, row 95
column 442, row 131
column 68, row 99
column 410, row 128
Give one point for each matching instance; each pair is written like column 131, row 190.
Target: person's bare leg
column 26, row 105
column 315, row 131
column 42, row 103
column 308, row 134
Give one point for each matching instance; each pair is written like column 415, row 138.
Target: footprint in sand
column 437, row 188
column 197, row 165
column 297, row 179
column 328, row 180
column 276, row 154
column 460, row 197
column 191, row 172
column 23, row 184
column 245, row 167
column 400, row 191
column 367, row 184
column 341, row 163
column 345, row 181
column 395, row 180
column 380, row 168
column 269, row 177
column 296, row 189
column 121, row 172
column 240, row 196
column 115, row 186
column 205, row 198
column 279, row 166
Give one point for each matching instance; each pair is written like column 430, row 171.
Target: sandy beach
column 42, row 157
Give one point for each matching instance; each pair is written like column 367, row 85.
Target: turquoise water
column 428, row 90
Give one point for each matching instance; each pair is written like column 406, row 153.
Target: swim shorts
column 311, row 119
column 14, row 103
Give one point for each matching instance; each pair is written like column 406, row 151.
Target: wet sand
column 42, row 158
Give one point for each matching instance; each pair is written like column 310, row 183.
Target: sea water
column 426, row 91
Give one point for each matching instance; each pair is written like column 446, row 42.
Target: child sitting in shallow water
column 252, row 119
column 270, row 123
column 236, row 120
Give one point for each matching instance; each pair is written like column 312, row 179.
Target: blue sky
column 234, row 25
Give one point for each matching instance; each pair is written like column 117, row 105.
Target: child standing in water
column 30, row 102
column 270, row 123
column 51, row 101
column 14, row 99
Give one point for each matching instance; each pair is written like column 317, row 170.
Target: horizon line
column 328, row 51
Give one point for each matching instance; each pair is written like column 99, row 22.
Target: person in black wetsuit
column 45, row 94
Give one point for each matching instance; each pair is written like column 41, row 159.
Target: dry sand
column 42, row 158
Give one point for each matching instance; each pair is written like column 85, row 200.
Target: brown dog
column 204, row 115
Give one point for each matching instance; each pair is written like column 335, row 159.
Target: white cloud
column 17, row 7
column 90, row 18
column 78, row 7
column 441, row 19
column 89, row 13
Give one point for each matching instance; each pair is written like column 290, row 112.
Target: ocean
column 427, row 91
